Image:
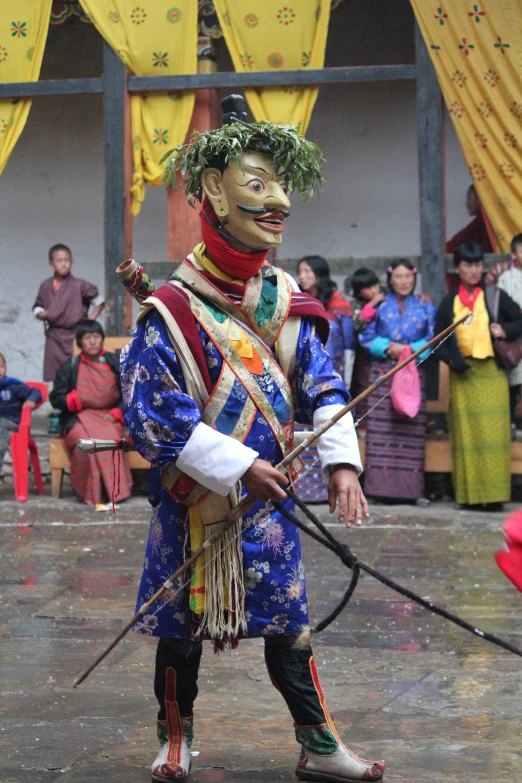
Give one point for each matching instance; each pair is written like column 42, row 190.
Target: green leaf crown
column 300, row 159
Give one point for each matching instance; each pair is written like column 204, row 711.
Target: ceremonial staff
column 91, row 446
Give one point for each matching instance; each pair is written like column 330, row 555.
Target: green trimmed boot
column 174, row 760
column 325, row 758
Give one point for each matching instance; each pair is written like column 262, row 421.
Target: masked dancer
column 224, row 357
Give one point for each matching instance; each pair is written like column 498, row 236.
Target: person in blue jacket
column 395, row 444
column 14, row 395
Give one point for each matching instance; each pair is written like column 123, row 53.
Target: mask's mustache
column 262, row 211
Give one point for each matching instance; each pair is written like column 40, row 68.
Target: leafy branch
column 300, row 159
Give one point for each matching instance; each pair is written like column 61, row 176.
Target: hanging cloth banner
column 476, row 50
column 23, row 33
column 273, row 36
column 152, row 38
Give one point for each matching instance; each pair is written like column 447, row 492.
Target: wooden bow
column 247, row 502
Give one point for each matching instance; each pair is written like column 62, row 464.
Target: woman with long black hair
column 313, row 275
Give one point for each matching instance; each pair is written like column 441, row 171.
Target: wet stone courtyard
column 437, row 703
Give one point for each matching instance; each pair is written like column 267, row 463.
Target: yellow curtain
column 476, row 49
column 152, row 37
column 23, row 32
column 267, row 35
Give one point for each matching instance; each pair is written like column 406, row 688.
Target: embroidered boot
column 173, row 762
column 324, row 758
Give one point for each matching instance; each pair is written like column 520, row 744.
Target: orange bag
column 406, row 387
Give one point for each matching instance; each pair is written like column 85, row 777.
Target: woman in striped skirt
column 394, row 466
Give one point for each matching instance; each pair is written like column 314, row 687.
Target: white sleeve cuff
column 214, row 460
column 98, row 300
column 37, row 310
column 339, row 444
column 349, row 360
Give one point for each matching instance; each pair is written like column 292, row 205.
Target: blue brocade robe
column 413, row 326
column 161, row 416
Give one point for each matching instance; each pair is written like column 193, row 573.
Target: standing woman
column 313, row 276
column 395, row 445
column 479, row 393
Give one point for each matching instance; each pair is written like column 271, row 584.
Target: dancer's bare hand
column 264, row 481
column 344, row 488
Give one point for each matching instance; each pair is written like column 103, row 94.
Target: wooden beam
column 114, row 83
column 233, row 80
column 430, row 129
column 204, row 81
column 160, row 270
column 51, row 87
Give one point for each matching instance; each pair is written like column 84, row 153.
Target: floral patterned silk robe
column 161, row 417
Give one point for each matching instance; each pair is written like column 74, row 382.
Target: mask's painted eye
column 284, row 187
column 256, row 186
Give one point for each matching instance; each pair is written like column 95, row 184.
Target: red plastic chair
column 22, row 447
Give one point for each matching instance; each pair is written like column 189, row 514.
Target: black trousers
column 288, row 666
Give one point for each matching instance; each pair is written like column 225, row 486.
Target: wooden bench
column 438, row 450
column 59, row 461
column 438, row 457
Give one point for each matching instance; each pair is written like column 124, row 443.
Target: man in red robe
column 476, row 231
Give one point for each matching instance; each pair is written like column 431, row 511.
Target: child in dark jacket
column 14, row 395
column 365, row 298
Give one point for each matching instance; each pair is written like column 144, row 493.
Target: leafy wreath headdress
column 218, row 148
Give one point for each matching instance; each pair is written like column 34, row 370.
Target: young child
column 14, row 395
column 61, row 303
column 510, row 281
column 365, row 299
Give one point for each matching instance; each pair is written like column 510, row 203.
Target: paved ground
column 439, row 705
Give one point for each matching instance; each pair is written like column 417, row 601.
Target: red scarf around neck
column 232, row 262
column 466, row 299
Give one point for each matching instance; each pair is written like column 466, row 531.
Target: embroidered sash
column 202, row 294
column 263, row 313
column 265, row 305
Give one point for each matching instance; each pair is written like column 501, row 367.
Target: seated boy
column 14, row 395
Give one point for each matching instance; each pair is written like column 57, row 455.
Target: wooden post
column 183, row 228
column 430, row 127
column 114, row 90
column 127, row 142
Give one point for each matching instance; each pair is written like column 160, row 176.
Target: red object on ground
column 22, row 447
column 509, row 560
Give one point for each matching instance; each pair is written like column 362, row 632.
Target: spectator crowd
column 377, row 327
column 372, row 327
column 86, row 392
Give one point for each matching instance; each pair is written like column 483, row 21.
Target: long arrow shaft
column 247, row 502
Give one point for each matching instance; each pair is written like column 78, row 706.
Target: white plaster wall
column 52, row 188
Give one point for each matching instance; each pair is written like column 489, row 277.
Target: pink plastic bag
column 406, row 387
